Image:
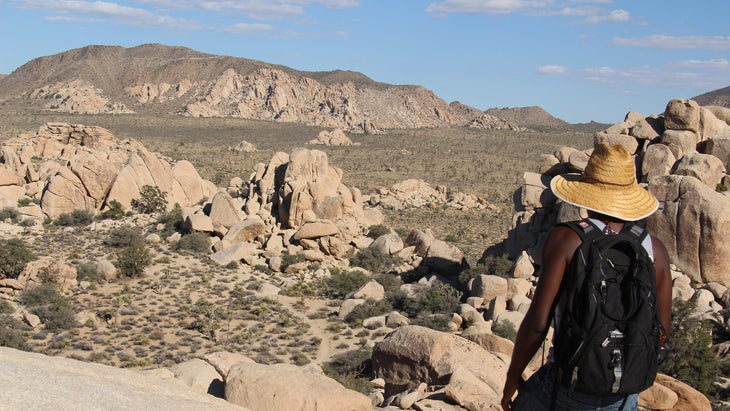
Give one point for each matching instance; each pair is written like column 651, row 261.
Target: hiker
column 609, row 192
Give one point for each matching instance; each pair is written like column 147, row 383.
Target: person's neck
column 613, row 224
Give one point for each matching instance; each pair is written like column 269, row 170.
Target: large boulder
column 288, row 387
column 75, row 385
column 693, row 223
column 411, row 355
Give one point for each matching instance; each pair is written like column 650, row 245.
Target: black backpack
column 607, row 339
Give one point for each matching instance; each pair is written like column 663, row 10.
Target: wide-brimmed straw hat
column 607, row 186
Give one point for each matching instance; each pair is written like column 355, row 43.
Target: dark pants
column 537, row 394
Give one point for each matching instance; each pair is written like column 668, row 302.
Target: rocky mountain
column 154, row 78
column 532, row 116
column 720, row 97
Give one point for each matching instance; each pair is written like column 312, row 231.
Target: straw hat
column 607, row 186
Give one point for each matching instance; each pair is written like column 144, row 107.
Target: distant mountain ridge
column 719, row 97
column 154, row 78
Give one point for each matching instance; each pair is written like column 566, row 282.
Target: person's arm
column 556, row 255
column 663, row 284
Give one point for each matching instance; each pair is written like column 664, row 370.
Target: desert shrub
column 87, row 272
column 114, row 211
column 499, row 265
column 14, row 255
column 11, row 333
column 504, row 329
column 172, row 220
column 375, row 231
column 123, row 236
column 6, row 307
column 372, row 260
column 691, row 359
column 389, row 282
column 437, row 299
column 133, row 259
column 438, row 322
column 289, row 259
column 75, row 218
column 10, row 213
column 370, row 308
column 47, row 302
column 24, row 201
column 151, row 200
column 720, row 188
column 300, row 289
column 340, row 283
column 195, row 242
column 351, row 369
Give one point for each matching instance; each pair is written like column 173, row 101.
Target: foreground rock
column 411, row 355
column 288, row 387
column 38, row 382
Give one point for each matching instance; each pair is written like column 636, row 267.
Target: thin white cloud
column 487, row 6
column 248, row 28
column 108, row 11
column 551, row 69
column 677, row 42
column 713, row 64
column 615, row 16
column 691, row 74
column 255, row 9
column 587, row 10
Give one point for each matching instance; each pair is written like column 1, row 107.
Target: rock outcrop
column 679, row 159
column 65, row 167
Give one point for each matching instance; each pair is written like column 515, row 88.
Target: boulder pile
column 64, row 167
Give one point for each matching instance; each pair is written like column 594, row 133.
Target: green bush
column 491, row 265
column 504, row 329
column 10, row 213
column 377, row 230
column 389, row 281
column 14, row 255
column 46, row 301
column 11, row 333
column 133, row 259
column 87, row 272
column 289, row 259
column 24, row 201
column 351, row 369
column 77, row 217
column 437, row 299
column 341, row 283
column 151, row 200
column 370, row 308
column 438, row 322
column 114, row 211
column 195, row 242
column 720, row 188
column 691, row 359
column 6, row 307
column 372, row 260
column 172, row 220
column 123, row 236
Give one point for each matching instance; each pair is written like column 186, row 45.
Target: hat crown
column 611, row 165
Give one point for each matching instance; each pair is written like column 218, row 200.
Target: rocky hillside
column 720, row 97
column 155, row 78
column 532, row 116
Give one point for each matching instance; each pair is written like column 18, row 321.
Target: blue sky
column 580, row 60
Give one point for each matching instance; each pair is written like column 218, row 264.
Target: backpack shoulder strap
column 585, row 229
column 635, row 230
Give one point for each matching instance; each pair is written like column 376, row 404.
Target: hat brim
column 628, row 203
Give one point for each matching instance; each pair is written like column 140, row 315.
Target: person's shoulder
column 563, row 238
